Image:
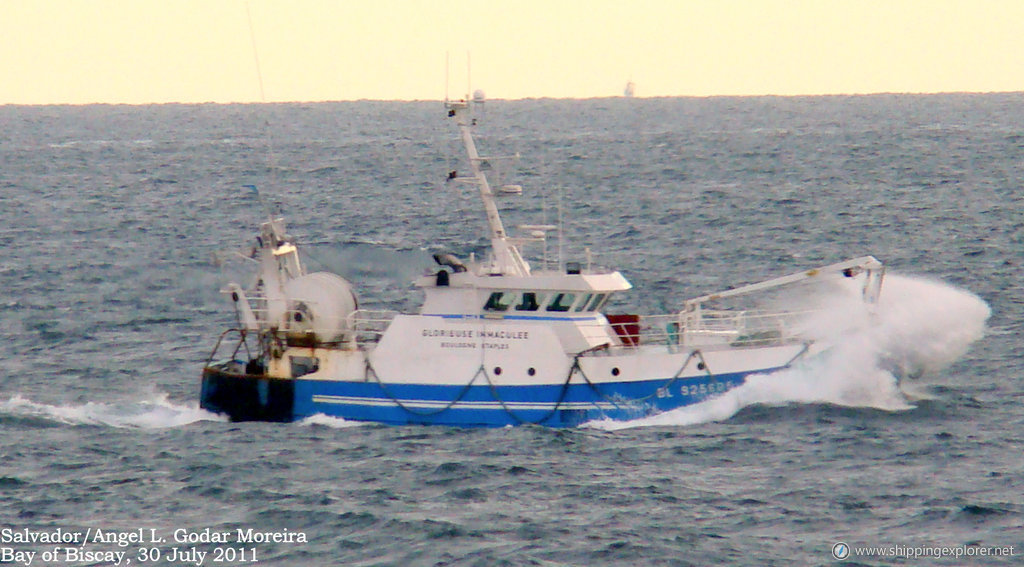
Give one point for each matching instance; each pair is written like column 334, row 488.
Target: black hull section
column 247, row 397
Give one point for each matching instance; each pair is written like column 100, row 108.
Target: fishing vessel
column 497, row 341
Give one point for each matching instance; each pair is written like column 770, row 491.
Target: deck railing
column 368, row 325
column 687, row 328
column 707, row 327
column 363, row 325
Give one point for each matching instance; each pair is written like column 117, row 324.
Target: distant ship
column 630, row 89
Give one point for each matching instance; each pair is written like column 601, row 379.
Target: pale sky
column 143, row 51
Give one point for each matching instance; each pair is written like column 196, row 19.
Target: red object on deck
column 627, row 327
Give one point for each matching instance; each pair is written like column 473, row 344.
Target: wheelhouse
column 541, row 294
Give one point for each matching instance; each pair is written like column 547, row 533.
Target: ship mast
column 507, row 259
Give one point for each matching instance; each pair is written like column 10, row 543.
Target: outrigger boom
column 873, row 270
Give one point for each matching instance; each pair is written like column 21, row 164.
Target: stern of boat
column 228, row 389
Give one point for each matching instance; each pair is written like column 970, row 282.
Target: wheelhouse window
column 561, row 302
column 598, row 302
column 528, row 302
column 499, row 301
column 581, row 305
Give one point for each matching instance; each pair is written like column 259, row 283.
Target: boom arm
column 869, row 265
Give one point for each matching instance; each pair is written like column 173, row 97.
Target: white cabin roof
column 468, row 293
column 606, row 282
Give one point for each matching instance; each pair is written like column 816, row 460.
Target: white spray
column 918, row 327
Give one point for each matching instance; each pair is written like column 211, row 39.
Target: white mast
column 507, row 259
column 279, row 260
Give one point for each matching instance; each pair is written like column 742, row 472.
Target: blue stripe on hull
column 482, row 405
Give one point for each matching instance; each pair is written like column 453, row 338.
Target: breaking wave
column 919, row 327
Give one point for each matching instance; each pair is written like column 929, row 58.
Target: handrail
column 216, row 347
column 709, row 327
column 365, row 325
column 368, row 325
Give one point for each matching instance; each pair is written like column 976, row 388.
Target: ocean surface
column 121, row 223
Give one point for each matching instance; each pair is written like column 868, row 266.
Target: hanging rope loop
column 575, row 369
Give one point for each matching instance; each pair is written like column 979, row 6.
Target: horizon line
column 515, row 99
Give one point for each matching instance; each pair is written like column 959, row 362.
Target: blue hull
column 247, row 398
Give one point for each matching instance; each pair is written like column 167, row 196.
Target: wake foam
column 919, row 326
column 158, row 413
column 328, row 421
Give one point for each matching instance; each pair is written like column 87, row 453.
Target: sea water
column 121, row 223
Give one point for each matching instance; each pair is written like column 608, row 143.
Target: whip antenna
column 255, row 53
column 271, row 162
